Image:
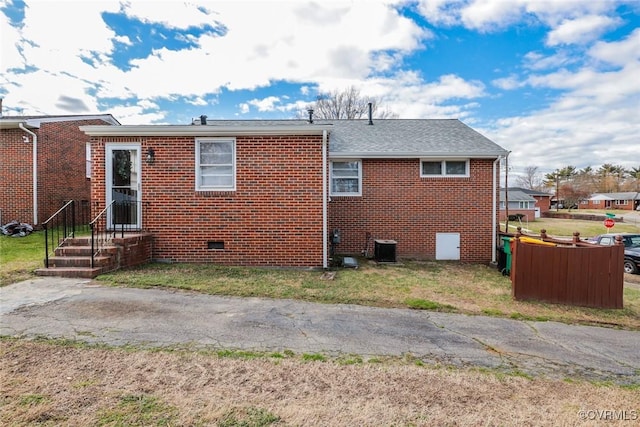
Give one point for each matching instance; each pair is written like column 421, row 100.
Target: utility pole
column 557, row 191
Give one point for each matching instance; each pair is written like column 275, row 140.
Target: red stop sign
column 609, row 223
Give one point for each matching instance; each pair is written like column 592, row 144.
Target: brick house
column 629, row 200
column 273, row 192
column 519, row 202
column 541, row 205
column 60, row 171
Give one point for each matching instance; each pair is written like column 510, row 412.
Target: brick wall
column 529, row 215
column 609, row 204
column 61, row 169
column 543, row 202
column 397, row 204
column 62, row 165
column 274, row 218
column 16, row 184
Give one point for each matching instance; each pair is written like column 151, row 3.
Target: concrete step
column 73, row 272
column 79, row 241
column 77, row 250
column 79, row 261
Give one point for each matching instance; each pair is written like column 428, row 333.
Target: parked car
column 631, row 249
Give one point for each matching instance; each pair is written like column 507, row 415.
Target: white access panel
column 447, row 246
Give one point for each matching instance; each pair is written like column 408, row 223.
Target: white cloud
column 265, row 104
column 315, row 42
column 538, row 61
column 494, row 15
column 618, row 53
column 581, row 30
column 508, row 83
column 595, row 120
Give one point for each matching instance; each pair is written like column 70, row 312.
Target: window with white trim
column 432, row 168
column 216, row 164
column 346, row 178
column 87, row 159
column 525, row 204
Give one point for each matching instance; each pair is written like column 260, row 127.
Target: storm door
column 123, row 186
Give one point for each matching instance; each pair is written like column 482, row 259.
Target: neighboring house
column 290, row 192
column 31, row 190
column 520, row 204
column 625, row 201
column 543, row 200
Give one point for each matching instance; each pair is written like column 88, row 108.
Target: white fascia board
column 104, row 117
column 15, row 124
column 191, row 130
column 367, row 155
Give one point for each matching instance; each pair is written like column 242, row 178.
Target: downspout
column 495, row 220
column 35, row 172
column 325, row 229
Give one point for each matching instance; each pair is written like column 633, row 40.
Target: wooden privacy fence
column 570, row 273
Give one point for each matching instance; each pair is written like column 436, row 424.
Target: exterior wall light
column 151, row 156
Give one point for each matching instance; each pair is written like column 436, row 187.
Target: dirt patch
column 632, row 281
column 59, row 384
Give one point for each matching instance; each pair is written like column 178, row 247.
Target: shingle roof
column 630, row 195
column 393, row 137
column 515, row 196
column 530, row 192
column 410, row 138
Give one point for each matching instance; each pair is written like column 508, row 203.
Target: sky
column 555, row 82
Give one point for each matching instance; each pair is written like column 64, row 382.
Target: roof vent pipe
column 310, row 111
column 203, row 119
column 370, row 113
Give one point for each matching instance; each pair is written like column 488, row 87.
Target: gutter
column 325, row 228
column 35, row 172
column 414, row 155
column 191, row 130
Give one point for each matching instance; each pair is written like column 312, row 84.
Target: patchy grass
column 163, row 388
column 137, row 410
column 428, row 285
column 20, row 256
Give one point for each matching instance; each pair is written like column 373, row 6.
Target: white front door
column 447, row 246
column 123, row 186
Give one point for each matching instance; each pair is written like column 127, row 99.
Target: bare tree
column 347, row 104
column 531, row 179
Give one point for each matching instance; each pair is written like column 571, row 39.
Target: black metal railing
column 70, row 220
column 116, row 218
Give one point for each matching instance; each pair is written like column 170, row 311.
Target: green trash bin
column 506, row 242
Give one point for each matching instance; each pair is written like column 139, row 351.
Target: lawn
column 20, row 256
column 51, row 384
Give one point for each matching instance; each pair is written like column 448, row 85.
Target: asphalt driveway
column 81, row 310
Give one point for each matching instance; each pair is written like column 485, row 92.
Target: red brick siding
column 397, row 204
column 62, row 165
column 543, row 202
column 273, row 218
column 529, row 215
column 61, row 169
column 608, row 204
column 16, row 184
